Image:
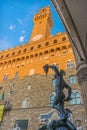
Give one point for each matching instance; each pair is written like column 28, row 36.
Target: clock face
column 37, row 37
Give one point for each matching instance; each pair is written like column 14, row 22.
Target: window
column 47, row 43
column 7, row 55
column 39, row 46
column 31, row 48
column 16, row 75
column 13, row 53
column 19, row 51
column 75, row 98
column 72, row 64
column 64, row 38
column 52, row 99
column 22, row 124
column 2, row 57
column 25, row 50
column 78, row 125
column 72, row 79
column 55, row 41
column 68, row 65
column 25, row 103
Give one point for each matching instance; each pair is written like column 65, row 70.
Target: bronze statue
column 60, row 84
column 63, row 123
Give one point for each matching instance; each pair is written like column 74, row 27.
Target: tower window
column 64, row 38
column 31, row 48
column 36, row 55
column 13, row 53
column 2, row 57
column 55, row 41
column 19, row 51
column 39, row 46
column 47, row 43
column 25, row 50
column 7, row 55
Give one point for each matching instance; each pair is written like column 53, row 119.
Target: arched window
column 75, row 98
column 64, row 38
column 68, row 64
column 36, row 55
column 47, row 43
column 2, row 57
column 19, row 51
column 25, row 103
column 55, row 41
column 31, row 48
column 72, row 64
column 7, row 55
column 64, row 49
column 25, row 50
column 72, row 79
column 13, row 53
column 39, row 46
column 58, row 51
column 52, row 98
column 52, row 52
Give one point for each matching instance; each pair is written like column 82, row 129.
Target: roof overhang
column 74, row 17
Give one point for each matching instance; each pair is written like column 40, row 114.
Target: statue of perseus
column 59, row 83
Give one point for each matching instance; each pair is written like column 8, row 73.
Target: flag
column 2, row 97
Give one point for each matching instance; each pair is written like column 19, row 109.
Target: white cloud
column 23, row 31
column 11, row 27
column 20, row 21
column 21, row 39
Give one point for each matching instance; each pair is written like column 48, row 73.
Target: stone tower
column 42, row 25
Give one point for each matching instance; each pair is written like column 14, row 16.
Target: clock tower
column 42, row 25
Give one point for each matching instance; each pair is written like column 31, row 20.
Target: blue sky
column 16, row 21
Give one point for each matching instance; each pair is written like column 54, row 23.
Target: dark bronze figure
column 59, row 84
column 63, row 123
